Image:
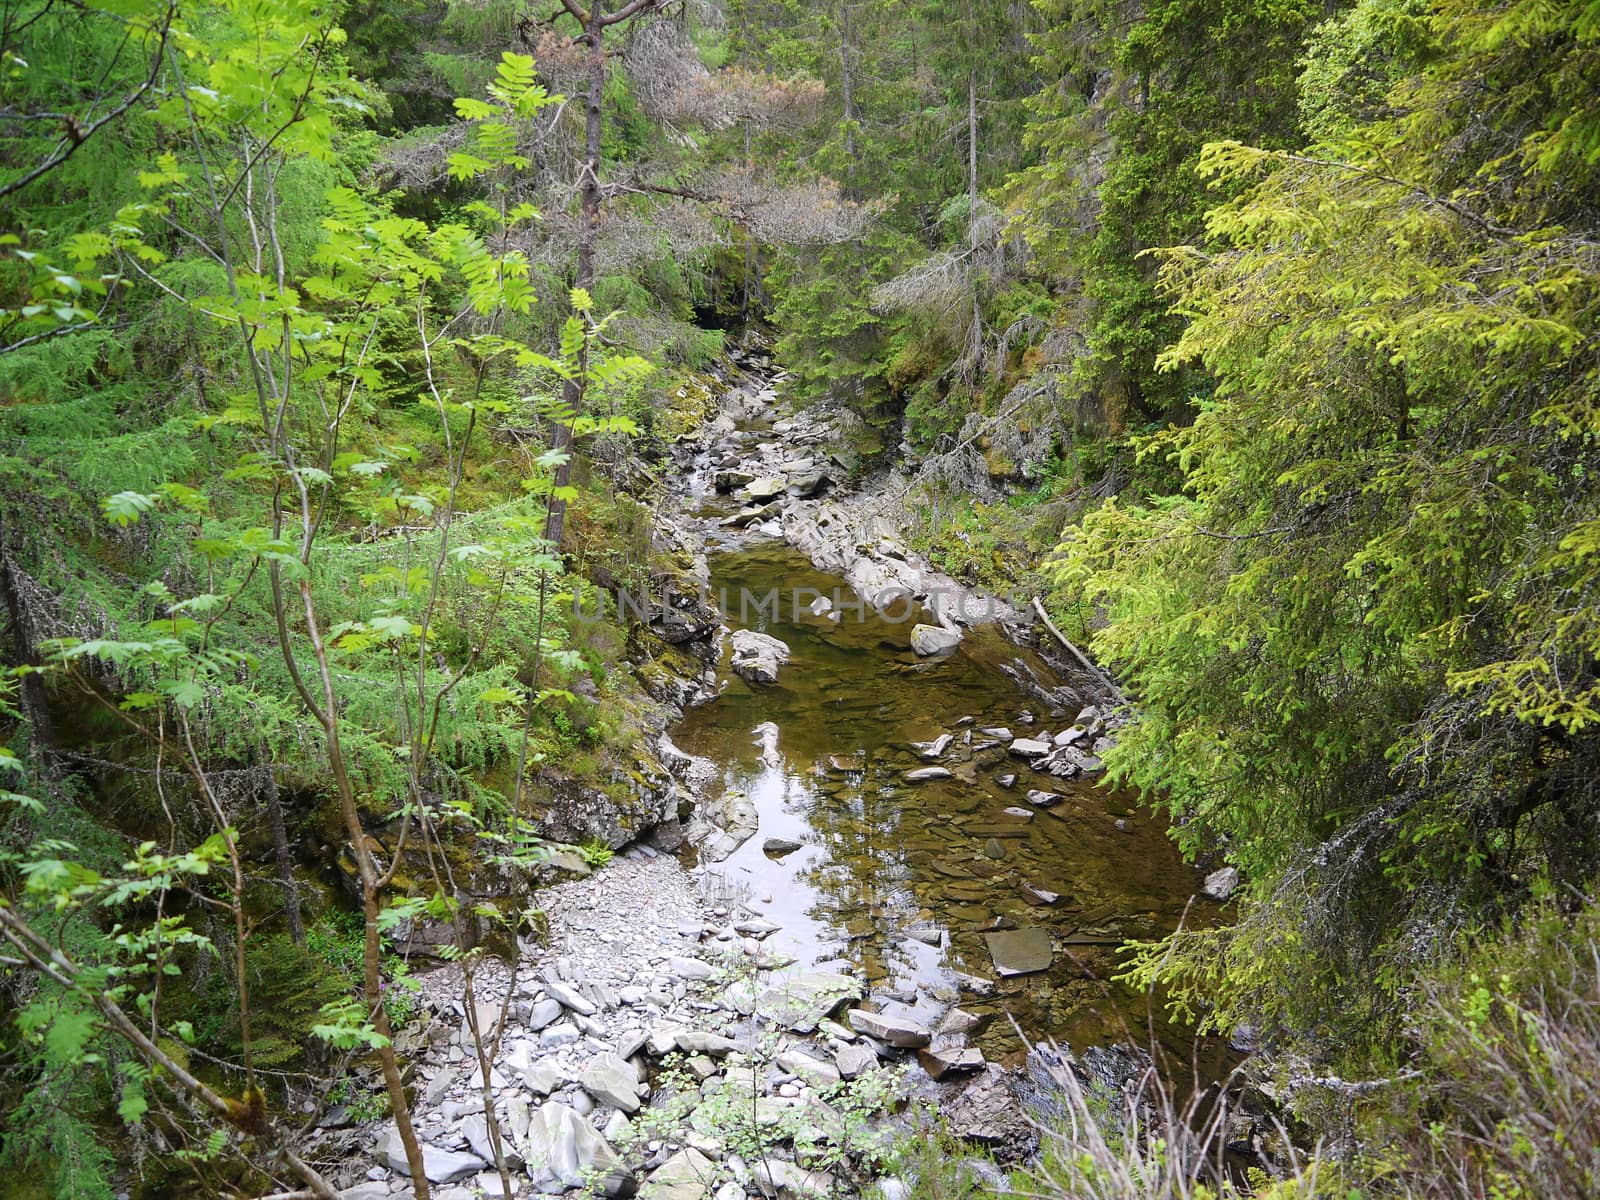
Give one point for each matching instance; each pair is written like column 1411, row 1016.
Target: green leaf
column 125, row 508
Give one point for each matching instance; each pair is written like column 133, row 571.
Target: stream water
column 905, row 879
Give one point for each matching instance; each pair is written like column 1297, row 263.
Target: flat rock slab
column 1020, row 951
column 954, row 1060
column 440, row 1165
column 900, row 1032
column 924, row 774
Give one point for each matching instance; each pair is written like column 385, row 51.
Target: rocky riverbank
column 653, row 1045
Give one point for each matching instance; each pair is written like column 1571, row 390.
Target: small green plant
column 596, row 853
column 362, row 1104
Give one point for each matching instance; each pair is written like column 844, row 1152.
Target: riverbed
column 906, row 880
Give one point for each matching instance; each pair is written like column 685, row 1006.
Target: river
column 906, row 880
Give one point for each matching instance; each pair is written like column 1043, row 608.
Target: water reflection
column 904, row 879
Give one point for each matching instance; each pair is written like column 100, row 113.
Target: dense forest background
column 339, row 350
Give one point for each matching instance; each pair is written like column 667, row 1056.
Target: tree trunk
column 371, row 900
column 972, row 210
column 24, row 644
column 280, row 851
column 972, row 143
column 588, row 235
column 847, row 92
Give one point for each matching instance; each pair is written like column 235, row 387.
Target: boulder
column 1044, row 799
column 541, row 1077
column 542, row 1013
column 1220, row 885
column 779, row 1180
column 476, row 1130
column 765, row 488
column 901, row 1032
column 569, row 997
column 934, row 639
column 684, row 621
column 612, row 1080
column 813, row 1070
column 797, row 1001
column 687, row 1175
column 751, row 514
column 1030, row 748
column 958, row 1021
column 806, row 484
column 855, row 1059
column 988, row 1112
column 564, row 1148
column 778, row 846
column 757, row 656
column 925, row 774
column 701, row 1041
column 691, row 969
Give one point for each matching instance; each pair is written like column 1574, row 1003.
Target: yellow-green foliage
column 1363, row 638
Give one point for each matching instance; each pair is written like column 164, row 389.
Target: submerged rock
column 767, row 738
column 1020, row 951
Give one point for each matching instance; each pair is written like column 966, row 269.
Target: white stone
column 934, row 639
